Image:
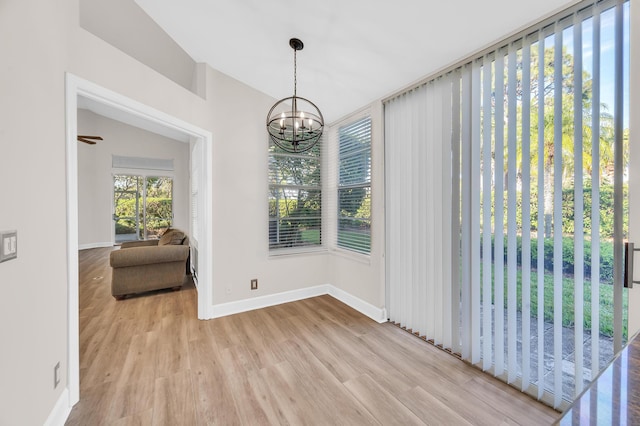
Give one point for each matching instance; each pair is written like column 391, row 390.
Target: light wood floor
column 148, row 360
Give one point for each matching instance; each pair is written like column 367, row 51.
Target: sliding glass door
column 143, row 206
column 526, row 148
column 548, row 134
column 158, row 206
column 127, row 192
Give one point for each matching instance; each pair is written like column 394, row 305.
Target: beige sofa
column 141, row 266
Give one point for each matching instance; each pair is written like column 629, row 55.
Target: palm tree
column 546, row 93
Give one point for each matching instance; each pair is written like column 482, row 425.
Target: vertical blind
column 420, row 207
column 354, row 186
column 487, row 172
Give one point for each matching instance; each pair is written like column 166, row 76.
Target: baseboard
column 260, row 302
column 377, row 314
column 224, row 309
column 60, row 412
column 94, row 245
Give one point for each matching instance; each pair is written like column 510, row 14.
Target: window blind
column 354, row 186
column 538, row 138
column 295, row 198
column 419, row 207
column 522, row 135
column 122, row 162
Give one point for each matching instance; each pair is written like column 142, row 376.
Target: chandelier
column 295, row 124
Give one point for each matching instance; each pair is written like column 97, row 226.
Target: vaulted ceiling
column 355, row 51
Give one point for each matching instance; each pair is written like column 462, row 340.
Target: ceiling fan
column 88, row 139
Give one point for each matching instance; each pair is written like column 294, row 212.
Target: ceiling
column 355, row 51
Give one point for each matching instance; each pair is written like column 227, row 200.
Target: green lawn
column 311, row 236
column 568, row 308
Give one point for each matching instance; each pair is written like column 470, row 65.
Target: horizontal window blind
column 295, row 198
column 122, row 162
column 354, row 186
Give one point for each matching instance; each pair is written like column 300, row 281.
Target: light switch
column 8, row 245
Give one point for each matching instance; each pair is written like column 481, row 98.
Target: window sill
column 352, row 255
column 300, row 251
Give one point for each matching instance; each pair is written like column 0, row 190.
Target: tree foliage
column 596, row 135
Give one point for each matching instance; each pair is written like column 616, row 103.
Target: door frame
column 634, row 158
column 78, row 87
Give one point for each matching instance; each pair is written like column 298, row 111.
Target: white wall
column 90, row 233
column 240, row 213
column 95, row 174
column 33, row 305
column 115, row 21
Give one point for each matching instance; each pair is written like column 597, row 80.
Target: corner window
column 295, row 195
column 354, row 186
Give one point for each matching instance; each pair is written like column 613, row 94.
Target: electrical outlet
column 56, row 377
column 8, row 245
column 254, row 284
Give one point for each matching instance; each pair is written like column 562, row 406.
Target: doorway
column 132, row 112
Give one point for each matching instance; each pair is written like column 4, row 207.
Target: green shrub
column 157, row 207
column 568, row 258
column 125, row 228
column 568, row 210
column 606, row 210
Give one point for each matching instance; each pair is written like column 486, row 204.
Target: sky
column 607, row 56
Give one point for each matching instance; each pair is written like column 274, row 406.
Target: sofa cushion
column 141, row 243
column 139, row 256
column 172, row 237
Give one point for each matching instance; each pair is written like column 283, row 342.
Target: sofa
column 141, row 266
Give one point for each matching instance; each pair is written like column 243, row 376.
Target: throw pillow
column 172, row 237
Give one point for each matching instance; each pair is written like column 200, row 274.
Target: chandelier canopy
column 295, row 124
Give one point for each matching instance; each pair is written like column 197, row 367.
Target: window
column 354, row 186
column 295, row 195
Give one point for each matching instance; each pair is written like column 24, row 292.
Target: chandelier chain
column 295, row 72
